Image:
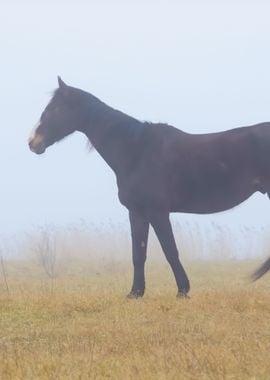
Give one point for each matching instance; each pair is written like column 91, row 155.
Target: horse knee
column 139, row 260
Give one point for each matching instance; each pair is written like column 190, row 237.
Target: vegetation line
column 4, row 273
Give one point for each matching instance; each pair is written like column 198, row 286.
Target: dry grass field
column 79, row 325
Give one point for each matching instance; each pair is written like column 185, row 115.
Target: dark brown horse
column 160, row 169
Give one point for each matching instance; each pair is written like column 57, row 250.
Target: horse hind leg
column 163, row 229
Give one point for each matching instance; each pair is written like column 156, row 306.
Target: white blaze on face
column 33, row 133
column 37, row 139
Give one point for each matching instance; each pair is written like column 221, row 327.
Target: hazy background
column 201, row 66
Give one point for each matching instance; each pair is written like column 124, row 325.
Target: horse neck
column 113, row 134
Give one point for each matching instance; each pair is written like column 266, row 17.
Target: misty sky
column 201, row 66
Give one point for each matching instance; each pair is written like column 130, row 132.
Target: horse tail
column 265, row 267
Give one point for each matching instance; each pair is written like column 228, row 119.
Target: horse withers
column 160, row 169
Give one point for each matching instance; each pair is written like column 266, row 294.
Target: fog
column 201, row 66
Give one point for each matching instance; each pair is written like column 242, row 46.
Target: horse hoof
column 135, row 294
column 182, row 294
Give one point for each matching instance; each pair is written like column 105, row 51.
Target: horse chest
column 140, row 191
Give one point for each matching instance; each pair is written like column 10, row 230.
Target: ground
column 80, row 325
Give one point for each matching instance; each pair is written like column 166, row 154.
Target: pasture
column 77, row 323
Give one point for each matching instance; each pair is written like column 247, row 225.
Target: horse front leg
column 139, row 234
column 163, row 229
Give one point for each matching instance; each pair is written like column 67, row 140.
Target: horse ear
column 62, row 85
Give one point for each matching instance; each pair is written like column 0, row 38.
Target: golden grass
column 82, row 326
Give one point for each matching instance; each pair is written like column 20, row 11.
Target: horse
column 160, row 169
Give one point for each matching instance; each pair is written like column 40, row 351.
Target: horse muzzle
column 37, row 144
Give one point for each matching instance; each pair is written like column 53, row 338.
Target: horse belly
column 199, row 200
